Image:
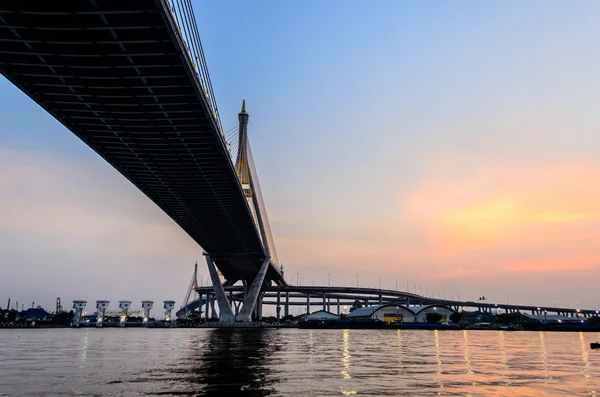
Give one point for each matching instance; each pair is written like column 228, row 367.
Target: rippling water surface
column 270, row 362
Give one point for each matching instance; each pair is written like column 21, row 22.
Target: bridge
column 131, row 81
column 334, row 298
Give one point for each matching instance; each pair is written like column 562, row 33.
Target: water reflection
column 255, row 362
column 503, row 359
column 438, row 372
column 544, row 356
column 466, row 355
column 231, row 362
column 345, row 372
column 346, row 355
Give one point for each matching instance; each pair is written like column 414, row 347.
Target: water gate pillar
column 168, row 305
column 147, row 306
column 125, row 306
column 78, row 307
column 101, row 307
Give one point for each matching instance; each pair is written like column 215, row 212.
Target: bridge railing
column 183, row 15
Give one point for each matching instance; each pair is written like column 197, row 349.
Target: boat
column 595, row 345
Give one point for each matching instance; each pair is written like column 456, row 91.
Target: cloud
column 527, row 217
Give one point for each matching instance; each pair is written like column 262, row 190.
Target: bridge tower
column 248, row 178
column 190, row 291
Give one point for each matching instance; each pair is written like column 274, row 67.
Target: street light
column 357, row 281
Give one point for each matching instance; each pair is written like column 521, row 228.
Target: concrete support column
column 307, row 303
column 338, row 306
column 380, row 299
column 253, row 292
column 225, row 312
column 324, row 302
column 286, row 312
column 278, row 305
column 259, row 306
column 329, row 304
column 207, row 311
column 200, row 304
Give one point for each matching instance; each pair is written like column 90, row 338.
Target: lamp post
column 357, row 281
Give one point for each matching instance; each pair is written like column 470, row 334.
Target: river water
column 286, row 362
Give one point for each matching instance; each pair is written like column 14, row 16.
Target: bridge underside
column 118, row 75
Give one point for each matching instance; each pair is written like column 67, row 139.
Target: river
column 286, row 362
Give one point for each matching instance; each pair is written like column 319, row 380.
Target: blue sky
column 451, row 144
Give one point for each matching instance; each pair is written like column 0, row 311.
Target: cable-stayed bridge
column 131, row 81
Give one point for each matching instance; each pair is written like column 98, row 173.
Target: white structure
column 78, row 307
column 101, row 307
column 124, row 306
column 387, row 313
column 169, row 306
column 321, row 315
column 147, row 306
column 422, row 311
column 399, row 313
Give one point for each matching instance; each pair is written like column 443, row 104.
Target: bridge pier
column 200, row 304
column 338, row 306
column 252, row 294
column 278, row 305
column 287, row 305
column 307, row 304
column 324, row 302
column 213, row 312
column 225, row 312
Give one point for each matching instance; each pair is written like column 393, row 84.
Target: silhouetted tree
column 507, row 318
column 434, row 318
column 455, row 317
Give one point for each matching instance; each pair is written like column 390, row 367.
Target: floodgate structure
column 131, row 81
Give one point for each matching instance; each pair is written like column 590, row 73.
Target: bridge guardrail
column 183, row 15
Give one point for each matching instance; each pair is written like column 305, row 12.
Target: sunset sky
column 453, row 145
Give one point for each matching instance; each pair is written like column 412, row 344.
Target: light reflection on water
column 254, row 362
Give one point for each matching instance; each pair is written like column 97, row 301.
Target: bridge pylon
column 248, row 179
